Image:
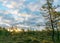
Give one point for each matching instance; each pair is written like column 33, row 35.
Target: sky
column 22, row 13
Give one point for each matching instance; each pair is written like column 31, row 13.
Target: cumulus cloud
column 10, row 5
column 25, row 12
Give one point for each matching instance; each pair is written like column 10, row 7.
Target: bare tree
column 52, row 16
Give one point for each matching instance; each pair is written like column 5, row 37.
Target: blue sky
column 21, row 12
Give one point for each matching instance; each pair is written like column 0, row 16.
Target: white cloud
column 22, row 25
column 0, row 19
column 6, row 21
column 14, row 7
column 19, row 19
column 11, row 5
column 33, row 7
column 13, row 11
column 36, row 6
column 58, row 9
column 55, row 1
